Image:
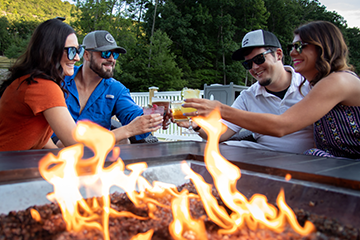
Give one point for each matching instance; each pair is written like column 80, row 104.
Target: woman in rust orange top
column 32, row 102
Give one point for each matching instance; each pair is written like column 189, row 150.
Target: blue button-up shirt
column 109, row 98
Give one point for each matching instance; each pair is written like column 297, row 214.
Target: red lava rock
column 20, row 225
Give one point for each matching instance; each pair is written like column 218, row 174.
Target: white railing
column 173, row 133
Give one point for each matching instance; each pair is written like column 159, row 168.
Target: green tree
column 5, row 38
column 93, row 15
column 202, row 34
column 283, row 19
column 163, row 71
column 353, row 36
column 21, row 17
column 36, row 10
column 251, row 15
column 17, row 48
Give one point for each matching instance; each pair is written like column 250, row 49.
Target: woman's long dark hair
column 332, row 49
column 43, row 54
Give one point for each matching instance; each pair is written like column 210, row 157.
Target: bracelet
column 197, row 128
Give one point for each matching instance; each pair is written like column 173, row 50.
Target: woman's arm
column 50, row 144
column 61, row 123
column 327, row 93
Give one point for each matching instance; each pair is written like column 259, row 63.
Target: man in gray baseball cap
column 276, row 90
column 101, row 41
column 257, row 38
column 93, row 93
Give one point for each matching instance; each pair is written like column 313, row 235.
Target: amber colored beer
column 177, row 111
column 178, row 115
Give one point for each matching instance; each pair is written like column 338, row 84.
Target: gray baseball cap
column 257, row 38
column 101, row 40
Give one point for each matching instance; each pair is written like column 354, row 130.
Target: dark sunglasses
column 72, row 51
column 258, row 59
column 107, row 54
column 297, row 45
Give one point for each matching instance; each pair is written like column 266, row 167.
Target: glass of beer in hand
column 190, row 93
column 177, row 111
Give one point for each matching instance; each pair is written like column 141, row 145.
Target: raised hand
column 145, row 123
column 203, row 106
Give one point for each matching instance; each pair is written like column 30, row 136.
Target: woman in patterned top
column 320, row 54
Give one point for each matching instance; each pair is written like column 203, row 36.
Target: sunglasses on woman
column 72, row 51
column 298, row 46
column 258, row 59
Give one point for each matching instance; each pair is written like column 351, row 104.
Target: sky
column 349, row 9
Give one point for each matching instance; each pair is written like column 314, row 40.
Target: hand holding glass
column 154, row 109
column 190, row 93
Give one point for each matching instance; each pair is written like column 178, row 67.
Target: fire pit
column 320, row 186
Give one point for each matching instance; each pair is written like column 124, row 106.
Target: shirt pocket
column 102, row 111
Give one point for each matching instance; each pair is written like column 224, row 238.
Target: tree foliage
column 35, row 10
column 174, row 43
column 20, row 18
column 5, row 38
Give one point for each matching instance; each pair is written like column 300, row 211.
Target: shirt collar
column 260, row 90
column 70, row 79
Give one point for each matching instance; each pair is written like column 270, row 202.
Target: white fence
column 173, row 133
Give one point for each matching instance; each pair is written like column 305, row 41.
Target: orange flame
column 143, row 236
column 287, row 177
column 69, row 173
column 35, row 215
column 256, row 212
column 183, row 224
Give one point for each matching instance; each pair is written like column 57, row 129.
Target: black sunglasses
column 298, row 46
column 72, row 51
column 258, row 59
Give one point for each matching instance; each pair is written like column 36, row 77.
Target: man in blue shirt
column 94, row 95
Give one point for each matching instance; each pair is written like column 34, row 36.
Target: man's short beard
column 265, row 83
column 98, row 70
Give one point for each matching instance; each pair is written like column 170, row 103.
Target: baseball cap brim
column 238, row 55
column 110, row 48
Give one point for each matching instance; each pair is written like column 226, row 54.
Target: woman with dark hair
column 32, row 103
column 320, row 54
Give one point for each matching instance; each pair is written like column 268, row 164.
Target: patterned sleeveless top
column 338, row 132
